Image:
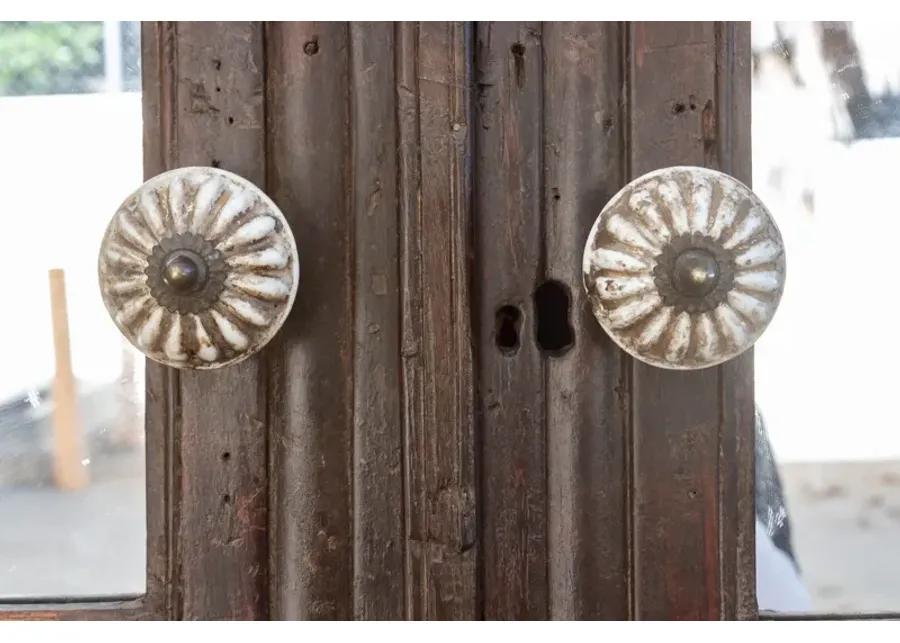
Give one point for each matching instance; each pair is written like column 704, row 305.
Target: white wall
column 66, row 163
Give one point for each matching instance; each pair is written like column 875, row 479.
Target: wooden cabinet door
column 441, row 430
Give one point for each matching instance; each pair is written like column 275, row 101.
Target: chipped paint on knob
column 198, row 268
column 684, row 268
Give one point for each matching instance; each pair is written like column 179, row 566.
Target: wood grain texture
column 509, row 264
column 737, row 454
column 433, row 89
column 378, row 526
column 691, row 430
column 585, row 391
column 212, row 113
column 158, row 47
column 309, row 156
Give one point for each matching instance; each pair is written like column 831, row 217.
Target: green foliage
column 50, row 57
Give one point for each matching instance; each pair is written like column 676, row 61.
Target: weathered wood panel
column 508, row 267
column 211, row 112
column 158, row 92
column 309, row 155
column 737, row 453
column 691, row 431
column 585, row 390
column 378, row 529
column 434, row 91
column 368, row 391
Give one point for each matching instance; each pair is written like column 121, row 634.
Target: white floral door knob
column 198, row 268
column 684, row 268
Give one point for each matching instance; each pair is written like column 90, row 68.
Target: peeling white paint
column 260, row 269
column 631, row 282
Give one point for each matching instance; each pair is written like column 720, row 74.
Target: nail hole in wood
column 226, row 498
column 552, row 305
column 231, row 120
column 518, row 52
column 507, row 321
column 226, row 456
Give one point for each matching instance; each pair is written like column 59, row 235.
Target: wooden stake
column 68, row 472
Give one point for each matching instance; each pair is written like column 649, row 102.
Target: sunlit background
column 70, row 152
column 826, row 147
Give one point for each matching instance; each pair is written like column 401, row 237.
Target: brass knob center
column 184, row 272
column 695, row 273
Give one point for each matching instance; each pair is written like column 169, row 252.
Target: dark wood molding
column 434, row 79
column 378, row 527
column 309, row 155
column 692, row 530
column 585, row 387
column 210, row 110
column 509, row 262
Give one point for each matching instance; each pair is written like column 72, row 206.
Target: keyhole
column 506, row 328
column 554, row 330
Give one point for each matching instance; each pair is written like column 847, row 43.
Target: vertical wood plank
column 309, row 155
column 157, row 104
column 586, row 439
column 210, row 112
column 737, row 453
column 509, row 266
column 221, row 542
column 686, row 428
column 433, row 89
column 378, row 526
column 69, row 474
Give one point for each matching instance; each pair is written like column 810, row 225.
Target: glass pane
column 72, row 517
column 826, row 144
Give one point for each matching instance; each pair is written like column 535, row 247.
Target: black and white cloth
column 779, row 581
